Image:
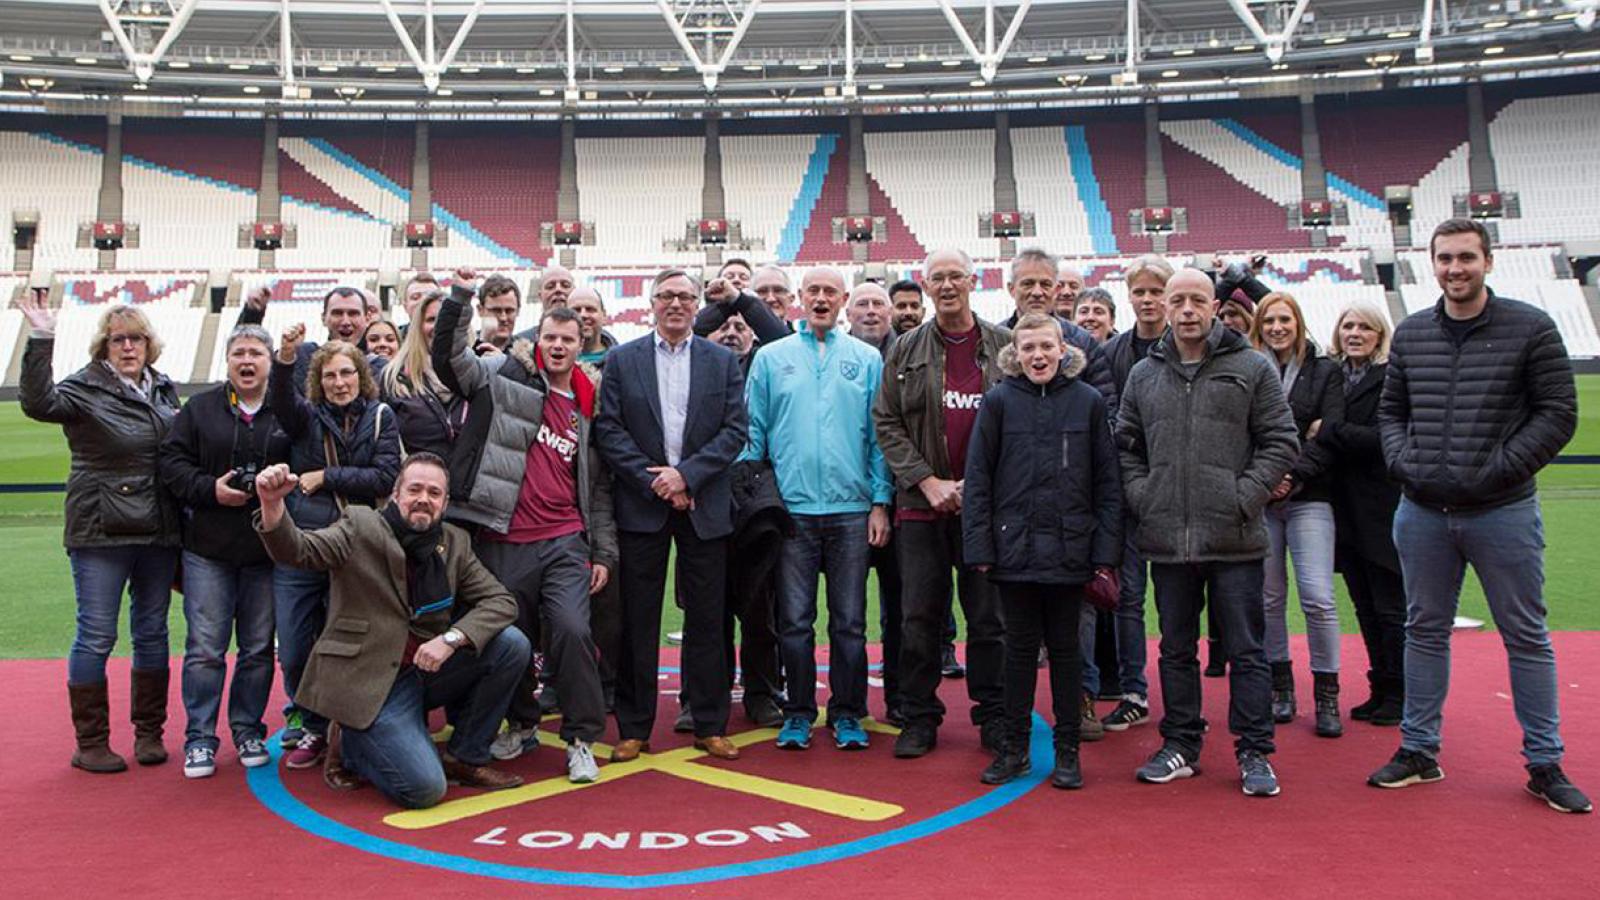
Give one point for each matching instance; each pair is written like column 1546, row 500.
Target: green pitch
column 36, row 605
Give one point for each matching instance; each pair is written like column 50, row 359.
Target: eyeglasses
column 131, row 340
column 667, row 298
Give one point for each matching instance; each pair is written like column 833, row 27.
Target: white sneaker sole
column 1184, row 772
column 254, row 762
column 1558, row 808
column 199, row 773
column 1408, row 781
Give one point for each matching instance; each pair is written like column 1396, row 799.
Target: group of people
column 482, row 520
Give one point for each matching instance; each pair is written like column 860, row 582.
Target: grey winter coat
column 1202, row 452
column 505, row 407
column 113, row 495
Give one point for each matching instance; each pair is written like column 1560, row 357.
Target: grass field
column 36, row 600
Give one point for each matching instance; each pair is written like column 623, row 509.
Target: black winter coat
column 1042, row 502
column 1468, row 426
column 1364, row 496
column 1318, row 393
column 208, row 439
column 113, row 495
column 364, row 437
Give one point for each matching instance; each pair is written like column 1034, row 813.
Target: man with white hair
column 1069, row 284
column 933, row 382
column 809, row 398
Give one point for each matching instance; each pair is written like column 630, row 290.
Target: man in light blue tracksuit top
column 810, row 398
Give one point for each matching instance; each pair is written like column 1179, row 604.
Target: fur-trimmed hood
column 1072, row 363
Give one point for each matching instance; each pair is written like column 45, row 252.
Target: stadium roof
column 678, row 57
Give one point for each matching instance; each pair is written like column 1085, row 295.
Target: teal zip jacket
column 811, row 415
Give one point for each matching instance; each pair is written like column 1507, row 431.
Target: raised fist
column 290, row 345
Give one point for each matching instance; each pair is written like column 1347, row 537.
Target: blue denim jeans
column 300, row 603
column 1303, row 531
column 1087, row 622
column 1505, row 546
column 1234, row 589
column 1132, row 648
column 396, row 753
column 99, row 577
column 835, row 546
column 220, row 600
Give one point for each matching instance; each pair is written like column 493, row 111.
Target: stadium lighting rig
column 144, row 18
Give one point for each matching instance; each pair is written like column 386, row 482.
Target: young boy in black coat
column 1042, row 514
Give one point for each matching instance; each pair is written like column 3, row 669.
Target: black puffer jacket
column 1119, row 354
column 1317, row 394
column 1468, row 426
column 1042, row 501
column 113, row 495
column 208, row 439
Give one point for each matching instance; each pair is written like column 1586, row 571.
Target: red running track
column 150, row 832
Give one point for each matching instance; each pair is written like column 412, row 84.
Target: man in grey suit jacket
column 414, row 622
column 671, row 421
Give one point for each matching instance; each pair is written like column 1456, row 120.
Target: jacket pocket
column 129, row 505
column 1077, row 542
column 1011, row 543
column 351, row 625
column 337, row 648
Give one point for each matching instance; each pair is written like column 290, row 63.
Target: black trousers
column 1048, row 613
column 1183, row 590
column 758, row 641
column 928, row 553
column 887, row 562
column 644, row 579
column 1379, row 596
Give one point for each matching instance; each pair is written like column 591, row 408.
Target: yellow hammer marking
column 679, row 763
column 843, row 805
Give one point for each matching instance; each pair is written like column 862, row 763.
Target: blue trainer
column 848, row 734
column 796, row 733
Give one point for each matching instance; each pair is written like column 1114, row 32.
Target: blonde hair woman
column 1300, row 518
column 428, row 414
column 1364, row 502
column 121, row 527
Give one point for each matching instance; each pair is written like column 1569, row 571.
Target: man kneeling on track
column 407, row 595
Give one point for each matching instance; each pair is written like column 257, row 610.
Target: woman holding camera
column 121, row 528
column 220, row 440
column 344, row 445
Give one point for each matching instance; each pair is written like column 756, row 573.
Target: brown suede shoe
column 717, row 746
column 484, row 777
column 628, row 750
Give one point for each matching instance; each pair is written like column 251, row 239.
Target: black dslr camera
column 243, row 478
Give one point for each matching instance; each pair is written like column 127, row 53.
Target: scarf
column 427, row 582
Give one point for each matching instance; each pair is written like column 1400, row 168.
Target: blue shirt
column 810, row 412
column 672, row 387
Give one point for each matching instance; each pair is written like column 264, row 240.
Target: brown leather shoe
column 484, row 777
column 334, row 774
column 717, row 746
column 628, row 750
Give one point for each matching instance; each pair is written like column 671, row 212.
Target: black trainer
column 1009, row 764
column 915, row 740
column 1168, row 764
column 1408, row 767
column 1550, row 784
column 992, row 735
column 949, row 666
column 1127, row 714
column 1066, row 775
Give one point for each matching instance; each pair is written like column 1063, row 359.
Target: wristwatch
column 453, row 638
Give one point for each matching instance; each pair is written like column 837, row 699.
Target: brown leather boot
column 91, row 719
column 149, row 714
